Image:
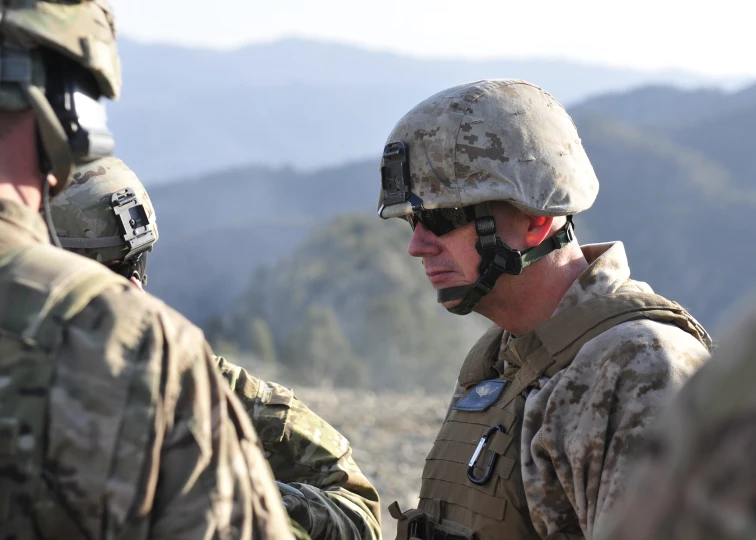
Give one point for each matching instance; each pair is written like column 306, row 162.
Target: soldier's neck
column 20, row 179
column 523, row 302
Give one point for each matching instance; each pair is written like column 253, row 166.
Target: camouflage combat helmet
column 59, row 57
column 489, row 140
column 105, row 214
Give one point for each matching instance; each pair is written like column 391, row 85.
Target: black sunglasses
column 441, row 221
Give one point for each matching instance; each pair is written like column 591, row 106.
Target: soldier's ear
column 538, row 229
column 137, row 283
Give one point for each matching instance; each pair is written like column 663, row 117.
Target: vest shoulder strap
column 564, row 335
column 479, row 363
column 554, row 344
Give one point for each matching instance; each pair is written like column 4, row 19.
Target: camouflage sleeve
column 170, row 452
column 337, row 500
column 695, row 480
column 584, row 427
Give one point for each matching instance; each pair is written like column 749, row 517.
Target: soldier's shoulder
column 89, row 296
column 652, row 345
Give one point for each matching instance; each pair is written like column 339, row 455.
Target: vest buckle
column 478, row 452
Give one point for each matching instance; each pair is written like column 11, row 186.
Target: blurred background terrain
column 262, row 164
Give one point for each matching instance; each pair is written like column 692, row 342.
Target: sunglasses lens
column 440, row 221
column 436, row 221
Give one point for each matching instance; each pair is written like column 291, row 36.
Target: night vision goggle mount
column 395, row 177
column 138, row 233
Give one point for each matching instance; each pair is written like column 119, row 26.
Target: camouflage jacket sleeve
column 586, row 424
column 139, row 415
column 309, row 454
column 695, row 480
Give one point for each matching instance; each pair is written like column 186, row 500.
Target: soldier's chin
column 452, row 303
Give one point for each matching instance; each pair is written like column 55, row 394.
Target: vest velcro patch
column 482, row 395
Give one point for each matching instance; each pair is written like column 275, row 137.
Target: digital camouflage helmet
column 59, row 58
column 489, row 140
column 105, row 214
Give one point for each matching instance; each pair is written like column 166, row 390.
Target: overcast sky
column 717, row 38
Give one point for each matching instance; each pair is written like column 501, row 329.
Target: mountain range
column 187, row 112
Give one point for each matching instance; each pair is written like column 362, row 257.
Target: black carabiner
column 478, row 451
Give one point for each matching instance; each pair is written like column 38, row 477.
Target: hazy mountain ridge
column 215, row 230
column 186, row 112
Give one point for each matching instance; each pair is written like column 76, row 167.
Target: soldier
column 113, row 419
column 106, row 215
column 696, row 476
column 553, row 400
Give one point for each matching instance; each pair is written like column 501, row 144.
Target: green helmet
column 59, row 57
column 489, row 140
column 105, row 214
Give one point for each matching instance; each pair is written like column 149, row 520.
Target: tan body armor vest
column 38, row 294
column 472, row 484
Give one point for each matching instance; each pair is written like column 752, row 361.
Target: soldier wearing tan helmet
column 113, row 420
column 553, row 401
column 105, row 214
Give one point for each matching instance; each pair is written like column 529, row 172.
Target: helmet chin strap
column 498, row 259
column 53, row 137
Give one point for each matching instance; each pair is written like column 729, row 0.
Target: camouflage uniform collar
column 20, row 217
column 608, row 270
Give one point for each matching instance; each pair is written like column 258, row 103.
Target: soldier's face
column 450, row 260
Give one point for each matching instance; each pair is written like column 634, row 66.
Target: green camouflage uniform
column 142, row 439
column 337, row 500
column 697, row 478
column 304, row 451
column 113, row 419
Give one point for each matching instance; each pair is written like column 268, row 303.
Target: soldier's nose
column 423, row 243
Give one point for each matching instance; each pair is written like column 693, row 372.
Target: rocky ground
column 391, row 433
